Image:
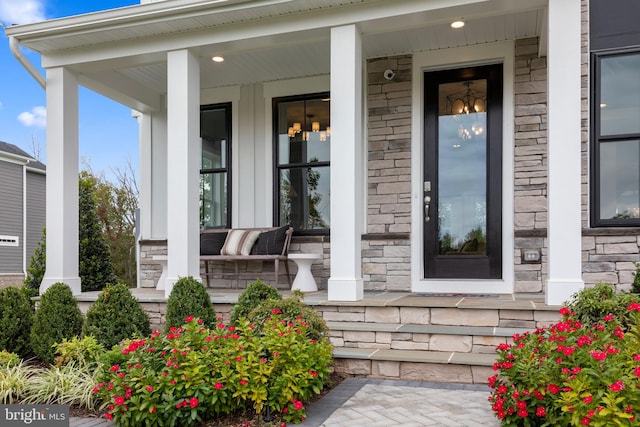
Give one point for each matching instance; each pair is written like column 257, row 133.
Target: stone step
column 415, row 365
column 416, row 356
column 486, row 331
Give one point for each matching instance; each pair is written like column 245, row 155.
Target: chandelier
column 465, row 107
column 297, row 128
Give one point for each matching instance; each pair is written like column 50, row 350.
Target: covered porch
column 157, row 59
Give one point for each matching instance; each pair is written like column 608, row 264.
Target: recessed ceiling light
column 457, row 24
column 603, row 105
column 217, row 59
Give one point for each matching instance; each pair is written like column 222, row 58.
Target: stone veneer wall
column 386, row 253
column 11, row 280
column 608, row 254
column 150, row 270
column 530, row 165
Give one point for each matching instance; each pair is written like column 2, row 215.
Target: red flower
column 298, row 405
column 119, row 400
column 553, row 389
column 617, row 386
column 523, row 413
column 114, row 368
column 149, row 389
column 152, row 410
column 188, row 319
column 108, row 416
column 587, row 399
column 200, row 321
column 243, row 382
column 585, row 421
column 193, row 402
column 218, row 386
column 540, row 411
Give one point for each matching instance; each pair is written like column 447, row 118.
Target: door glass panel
column 213, row 199
column 462, row 168
column 619, row 178
column 620, row 95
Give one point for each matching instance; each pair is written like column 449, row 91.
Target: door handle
column 427, row 201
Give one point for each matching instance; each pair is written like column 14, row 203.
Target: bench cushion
column 211, row 243
column 239, row 242
column 270, row 242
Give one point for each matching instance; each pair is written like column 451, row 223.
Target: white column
column 183, row 166
column 62, row 180
column 145, row 168
column 564, row 145
column 345, row 283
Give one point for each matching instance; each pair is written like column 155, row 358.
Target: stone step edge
column 416, row 356
column 486, row 331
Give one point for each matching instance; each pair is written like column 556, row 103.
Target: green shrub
column 635, row 285
column 189, row 298
column 590, row 305
column 16, row 318
column 116, row 315
column 95, row 267
column 37, row 266
column 8, row 359
column 256, row 293
column 290, row 308
column 570, row 374
column 192, row 373
column 84, row 353
column 57, row 317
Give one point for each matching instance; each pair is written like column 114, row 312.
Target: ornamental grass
column 571, row 374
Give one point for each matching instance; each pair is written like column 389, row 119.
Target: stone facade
column 530, row 165
column 150, row 269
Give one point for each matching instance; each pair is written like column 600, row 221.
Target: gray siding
column 36, row 212
column 11, row 224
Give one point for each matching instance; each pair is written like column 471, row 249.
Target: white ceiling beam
column 121, row 89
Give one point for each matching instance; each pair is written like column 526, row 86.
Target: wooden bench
column 236, row 259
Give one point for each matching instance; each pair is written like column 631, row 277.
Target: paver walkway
column 364, row 402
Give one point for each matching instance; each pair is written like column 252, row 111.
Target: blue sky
column 108, row 133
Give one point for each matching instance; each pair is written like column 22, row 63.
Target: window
column 616, row 139
column 302, row 175
column 215, row 175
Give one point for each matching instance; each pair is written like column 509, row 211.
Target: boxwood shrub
column 189, row 298
column 256, row 293
column 57, row 317
column 116, row 315
column 16, row 318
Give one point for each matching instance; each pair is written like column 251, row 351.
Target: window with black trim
column 215, row 174
column 616, row 138
column 302, row 140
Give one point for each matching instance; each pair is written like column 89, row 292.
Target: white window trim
column 455, row 58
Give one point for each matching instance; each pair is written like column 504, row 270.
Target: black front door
column 462, row 189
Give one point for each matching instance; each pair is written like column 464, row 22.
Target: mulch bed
column 244, row 418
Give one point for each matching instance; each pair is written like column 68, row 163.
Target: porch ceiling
column 261, row 40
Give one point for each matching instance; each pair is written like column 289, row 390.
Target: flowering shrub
column 570, row 374
column 193, row 373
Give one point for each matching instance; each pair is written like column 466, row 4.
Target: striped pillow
column 239, row 242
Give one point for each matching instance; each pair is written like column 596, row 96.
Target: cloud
column 36, row 118
column 21, row 11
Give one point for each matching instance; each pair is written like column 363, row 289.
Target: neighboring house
column 22, row 211
column 502, row 157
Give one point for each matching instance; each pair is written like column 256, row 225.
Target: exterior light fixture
column 459, row 23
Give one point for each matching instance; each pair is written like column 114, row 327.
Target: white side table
column 163, row 262
column 304, row 280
